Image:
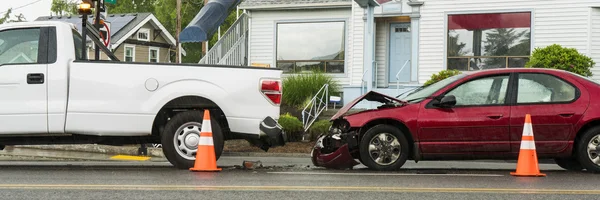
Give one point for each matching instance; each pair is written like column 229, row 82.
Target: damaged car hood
column 369, row 96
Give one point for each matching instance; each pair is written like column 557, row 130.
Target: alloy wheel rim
column 186, row 140
column 593, row 149
column 384, row 149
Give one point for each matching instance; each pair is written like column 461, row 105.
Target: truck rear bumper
column 269, row 133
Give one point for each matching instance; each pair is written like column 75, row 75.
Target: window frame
column 132, row 52
column 508, row 96
column 346, row 33
column 515, row 90
column 143, row 30
column 493, row 11
column 150, row 49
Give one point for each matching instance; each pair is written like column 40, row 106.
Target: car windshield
column 425, row 92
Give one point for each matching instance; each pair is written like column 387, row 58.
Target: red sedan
column 474, row 115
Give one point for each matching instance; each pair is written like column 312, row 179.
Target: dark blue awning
column 208, row 20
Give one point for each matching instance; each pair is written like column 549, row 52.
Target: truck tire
column 181, row 135
column 390, row 150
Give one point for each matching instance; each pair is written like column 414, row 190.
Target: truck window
column 19, row 46
column 77, row 39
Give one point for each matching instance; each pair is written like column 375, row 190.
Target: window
column 19, row 46
column 143, row 34
column 153, row 57
column 78, row 40
column 484, row 91
column 486, row 41
column 309, row 46
column 129, row 53
column 542, row 88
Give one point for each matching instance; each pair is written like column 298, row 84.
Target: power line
column 13, row 9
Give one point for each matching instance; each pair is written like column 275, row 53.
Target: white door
column 23, row 88
column 400, row 43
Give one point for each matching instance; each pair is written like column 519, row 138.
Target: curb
column 152, row 152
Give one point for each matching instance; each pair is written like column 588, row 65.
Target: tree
column 7, row 19
column 132, row 6
column 64, row 7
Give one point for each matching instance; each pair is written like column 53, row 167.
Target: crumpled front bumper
column 341, row 158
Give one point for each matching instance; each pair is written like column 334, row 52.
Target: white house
column 392, row 45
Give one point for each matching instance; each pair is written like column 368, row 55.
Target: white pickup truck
column 49, row 94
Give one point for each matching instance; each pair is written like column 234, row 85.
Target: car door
column 555, row 106
column 479, row 122
column 23, row 89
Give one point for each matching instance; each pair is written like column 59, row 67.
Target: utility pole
column 178, row 44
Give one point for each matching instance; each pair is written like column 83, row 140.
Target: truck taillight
column 272, row 90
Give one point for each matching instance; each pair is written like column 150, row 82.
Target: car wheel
column 570, row 164
column 384, row 148
column 588, row 149
column 181, row 136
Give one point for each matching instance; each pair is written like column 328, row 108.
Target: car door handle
column 566, row 114
column 36, row 78
column 494, row 116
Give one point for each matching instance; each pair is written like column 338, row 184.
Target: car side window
column 544, row 88
column 19, row 46
column 483, row 91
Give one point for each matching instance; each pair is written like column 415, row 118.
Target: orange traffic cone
column 205, row 156
column 527, row 165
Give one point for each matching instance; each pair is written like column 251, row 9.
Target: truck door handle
column 37, row 78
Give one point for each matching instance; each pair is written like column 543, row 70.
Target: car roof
column 512, row 70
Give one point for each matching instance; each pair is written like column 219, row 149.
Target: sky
column 32, row 8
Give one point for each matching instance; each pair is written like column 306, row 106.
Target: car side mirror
column 447, row 101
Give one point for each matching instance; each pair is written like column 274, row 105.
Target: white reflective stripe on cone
column 206, row 141
column 529, row 145
column 527, row 130
column 206, row 127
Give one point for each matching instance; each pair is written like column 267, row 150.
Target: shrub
column 298, row 88
column 292, row 126
column 441, row 76
column 318, row 128
column 558, row 57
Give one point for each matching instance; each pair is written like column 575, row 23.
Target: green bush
column 558, row 57
column 318, row 128
column 441, row 76
column 292, row 126
column 297, row 89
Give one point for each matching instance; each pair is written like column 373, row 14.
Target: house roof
column 122, row 25
column 261, row 4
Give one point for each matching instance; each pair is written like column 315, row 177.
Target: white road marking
column 383, row 174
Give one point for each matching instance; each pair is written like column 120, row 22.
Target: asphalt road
column 277, row 180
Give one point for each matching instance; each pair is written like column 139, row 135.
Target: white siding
column 381, row 53
column 595, row 43
column 357, row 41
column 564, row 22
column 262, row 34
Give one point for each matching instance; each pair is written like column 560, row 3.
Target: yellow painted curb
column 126, row 157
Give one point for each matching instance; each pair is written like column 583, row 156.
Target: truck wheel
column 181, row 136
column 588, row 149
column 384, row 148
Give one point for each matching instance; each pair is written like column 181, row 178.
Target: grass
column 290, row 147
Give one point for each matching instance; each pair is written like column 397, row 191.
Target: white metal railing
column 398, row 78
column 363, row 83
column 231, row 47
column 317, row 104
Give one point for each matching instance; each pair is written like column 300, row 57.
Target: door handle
column 566, row 114
column 494, row 116
column 36, row 78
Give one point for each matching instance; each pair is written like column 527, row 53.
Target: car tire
column 591, row 135
column 570, row 164
column 184, row 158
column 393, row 152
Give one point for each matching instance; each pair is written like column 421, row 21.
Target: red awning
column 488, row 21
